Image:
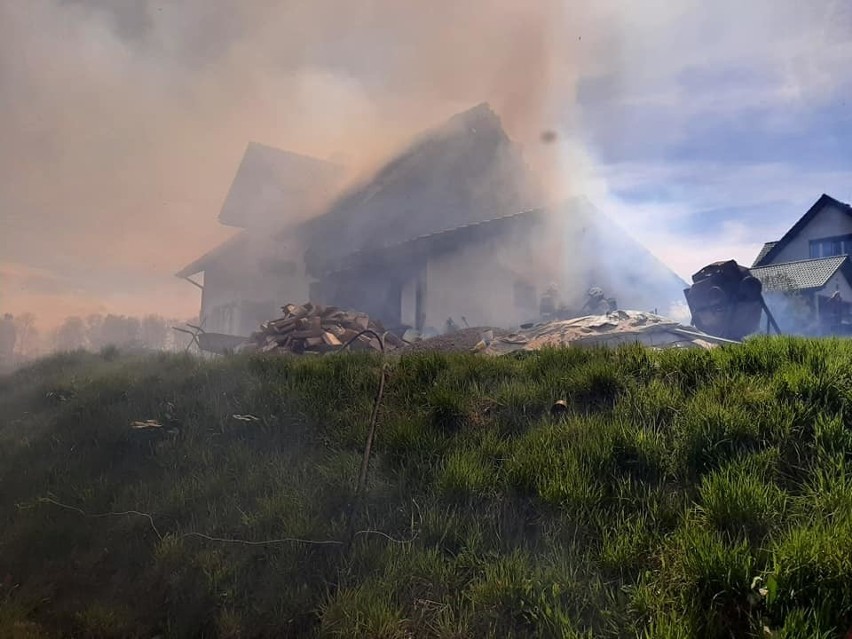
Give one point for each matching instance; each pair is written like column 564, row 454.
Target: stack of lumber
column 312, row 328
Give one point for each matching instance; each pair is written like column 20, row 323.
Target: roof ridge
column 834, row 199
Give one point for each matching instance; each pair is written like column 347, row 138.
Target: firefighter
column 549, row 303
column 597, row 303
column 612, row 304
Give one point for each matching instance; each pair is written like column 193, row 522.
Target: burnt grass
column 682, row 494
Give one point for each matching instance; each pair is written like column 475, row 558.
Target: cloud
column 710, row 128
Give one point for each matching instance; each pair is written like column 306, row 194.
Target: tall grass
column 682, row 494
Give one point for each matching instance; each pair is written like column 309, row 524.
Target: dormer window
column 831, row 246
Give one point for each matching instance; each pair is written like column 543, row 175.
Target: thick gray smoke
column 123, row 120
column 128, row 119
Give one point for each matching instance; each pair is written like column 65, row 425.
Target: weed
column 739, row 502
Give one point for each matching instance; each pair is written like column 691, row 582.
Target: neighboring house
column 246, row 277
column 450, row 228
column 810, row 265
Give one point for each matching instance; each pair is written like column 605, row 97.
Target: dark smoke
column 128, row 118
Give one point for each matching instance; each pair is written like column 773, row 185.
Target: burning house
column 453, row 227
column 807, row 274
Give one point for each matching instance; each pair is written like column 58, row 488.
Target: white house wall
column 478, row 282
column 830, row 221
column 408, row 312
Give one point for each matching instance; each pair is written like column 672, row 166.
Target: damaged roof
column 465, row 171
column 272, row 183
column 802, row 275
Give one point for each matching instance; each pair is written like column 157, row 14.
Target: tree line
column 24, row 339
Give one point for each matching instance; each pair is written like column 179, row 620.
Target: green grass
column 683, row 494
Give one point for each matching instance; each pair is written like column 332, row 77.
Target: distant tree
column 154, row 332
column 25, row 323
column 34, row 345
column 8, row 339
column 94, row 323
column 98, row 331
column 71, row 335
column 119, row 330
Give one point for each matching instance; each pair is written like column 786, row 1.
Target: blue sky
column 721, row 124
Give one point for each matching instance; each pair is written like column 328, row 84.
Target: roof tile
column 798, row 276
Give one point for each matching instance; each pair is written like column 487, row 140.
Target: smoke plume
column 127, row 120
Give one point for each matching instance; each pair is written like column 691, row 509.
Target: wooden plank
column 331, row 339
column 335, row 329
column 348, row 334
column 313, row 331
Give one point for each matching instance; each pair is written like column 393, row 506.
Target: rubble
column 611, row 329
column 462, row 340
column 313, row 328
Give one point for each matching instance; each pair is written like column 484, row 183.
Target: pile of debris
column 612, row 329
column 312, row 328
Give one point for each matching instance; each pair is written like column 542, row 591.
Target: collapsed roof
column 613, row 329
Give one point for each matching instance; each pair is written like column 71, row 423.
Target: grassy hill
column 683, row 494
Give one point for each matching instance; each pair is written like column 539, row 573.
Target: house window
column 831, row 246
